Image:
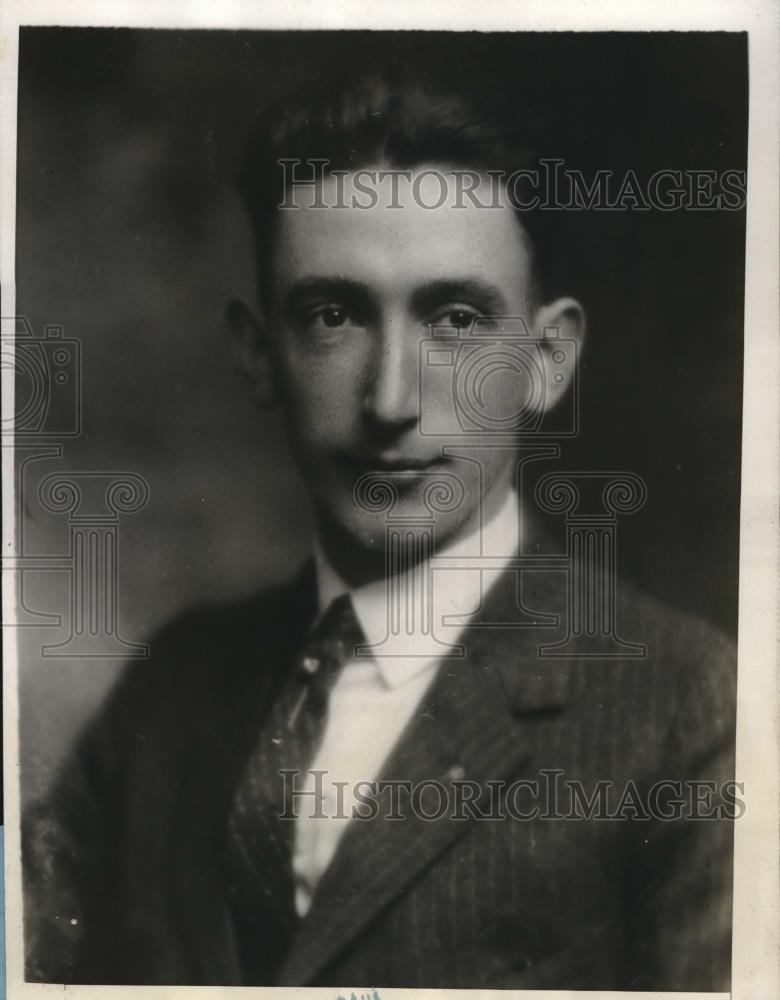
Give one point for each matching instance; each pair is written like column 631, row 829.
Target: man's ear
column 251, row 350
column 559, row 329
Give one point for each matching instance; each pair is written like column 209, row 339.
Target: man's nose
column 392, row 399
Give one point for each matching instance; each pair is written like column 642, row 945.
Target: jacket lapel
column 466, row 728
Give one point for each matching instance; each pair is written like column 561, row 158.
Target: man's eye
column 333, row 316
column 459, row 318
column 330, row 318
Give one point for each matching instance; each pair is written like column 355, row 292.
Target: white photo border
column 756, row 934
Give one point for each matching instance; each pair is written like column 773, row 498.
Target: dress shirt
column 375, row 697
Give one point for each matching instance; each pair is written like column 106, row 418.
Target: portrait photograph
column 380, row 466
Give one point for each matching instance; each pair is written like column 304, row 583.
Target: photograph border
column 756, row 926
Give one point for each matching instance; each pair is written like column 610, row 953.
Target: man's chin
column 408, row 525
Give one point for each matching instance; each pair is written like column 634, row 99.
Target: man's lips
column 393, row 463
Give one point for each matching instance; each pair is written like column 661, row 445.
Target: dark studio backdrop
column 130, row 237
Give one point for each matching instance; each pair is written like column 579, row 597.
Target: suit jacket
column 124, row 859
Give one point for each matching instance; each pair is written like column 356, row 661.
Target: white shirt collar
column 457, row 590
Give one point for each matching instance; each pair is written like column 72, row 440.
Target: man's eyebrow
column 326, row 287
column 473, row 291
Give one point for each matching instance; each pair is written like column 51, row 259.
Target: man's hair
column 398, row 121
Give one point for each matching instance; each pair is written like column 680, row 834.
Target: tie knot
column 339, row 621
column 332, row 641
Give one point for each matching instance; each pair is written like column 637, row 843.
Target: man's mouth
column 393, row 463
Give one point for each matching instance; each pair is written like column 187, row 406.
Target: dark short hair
column 396, row 119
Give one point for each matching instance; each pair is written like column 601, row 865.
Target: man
column 260, row 803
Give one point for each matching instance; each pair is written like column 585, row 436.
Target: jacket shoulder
column 204, row 657
column 690, row 667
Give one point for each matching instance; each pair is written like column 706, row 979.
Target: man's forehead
column 413, row 226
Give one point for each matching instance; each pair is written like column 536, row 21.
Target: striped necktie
column 260, row 826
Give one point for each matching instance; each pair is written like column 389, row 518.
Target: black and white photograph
column 380, row 466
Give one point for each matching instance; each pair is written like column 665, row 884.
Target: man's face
column 354, row 294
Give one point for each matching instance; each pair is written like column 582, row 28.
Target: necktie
column 260, row 841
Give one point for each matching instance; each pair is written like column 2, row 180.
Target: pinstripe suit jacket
column 123, row 860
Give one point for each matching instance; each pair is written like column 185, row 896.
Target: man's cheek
column 316, row 406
